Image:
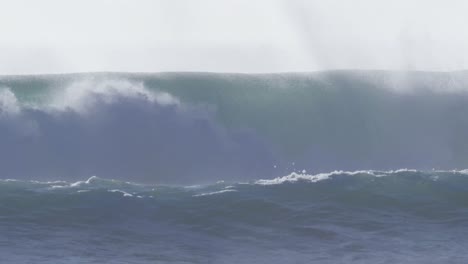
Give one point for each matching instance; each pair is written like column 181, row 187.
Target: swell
column 196, row 127
column 429, row 196
column 366, row 216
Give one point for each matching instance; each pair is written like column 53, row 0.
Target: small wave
column 64, row 185
column 213, row 193
column 464, row 171
column 88, row 181
column 295, row 177
column 10, row 180
column 125, row 194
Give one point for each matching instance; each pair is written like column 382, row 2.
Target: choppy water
column 400, row 216
column 236, row 136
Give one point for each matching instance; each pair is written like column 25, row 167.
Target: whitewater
column 323, row 167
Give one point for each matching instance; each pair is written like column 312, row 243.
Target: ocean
column 325, row 167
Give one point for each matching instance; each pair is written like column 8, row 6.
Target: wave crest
column 120, row 129
column 85, row 96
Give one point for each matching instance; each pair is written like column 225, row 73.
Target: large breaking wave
column 193, row 128
column 119, row 129
column 234, row 168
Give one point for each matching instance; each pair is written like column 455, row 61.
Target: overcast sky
column 50, row 36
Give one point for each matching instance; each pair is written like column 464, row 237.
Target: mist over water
column 241, row 36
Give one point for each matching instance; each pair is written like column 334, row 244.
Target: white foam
column 125, row 194
column 400, row 170
column 464, row 171
column 8, row 102
column 80, row 183
column 58, row 186
column 83, row 96
column 294, row 176
column 10, row 180
column 213, row 193
column 197, row 186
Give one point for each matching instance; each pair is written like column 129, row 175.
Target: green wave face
column 317, row 121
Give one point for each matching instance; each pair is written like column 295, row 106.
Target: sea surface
column 234, row 168
column 400, row 216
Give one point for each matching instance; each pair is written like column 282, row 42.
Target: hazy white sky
column 231, row 35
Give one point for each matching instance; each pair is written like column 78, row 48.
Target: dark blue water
column 342, row 217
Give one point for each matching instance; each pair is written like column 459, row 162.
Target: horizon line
column 220, row 73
